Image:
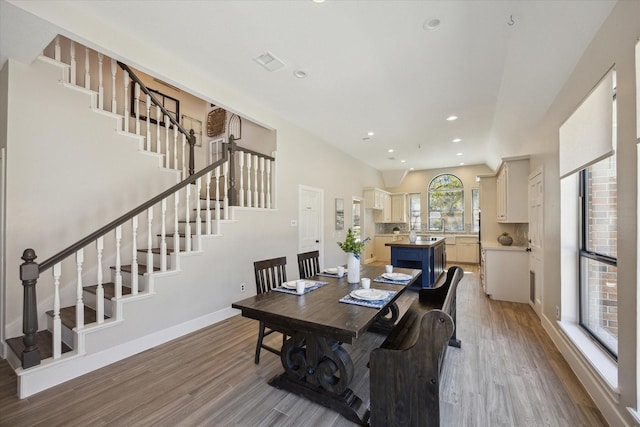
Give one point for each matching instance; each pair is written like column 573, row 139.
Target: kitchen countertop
column 488, row 244
column 405, row 243
column 406, row 235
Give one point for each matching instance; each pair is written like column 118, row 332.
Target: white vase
column 413, row 236
column 353, row 269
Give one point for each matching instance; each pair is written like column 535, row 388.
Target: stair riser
column 66, row 333
column 126, row 277
column 182, row 227
column 157, row 257
column 169, row 240
column 89, row 299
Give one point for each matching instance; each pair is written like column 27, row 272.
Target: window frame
column 585, row 253
column 442, row 219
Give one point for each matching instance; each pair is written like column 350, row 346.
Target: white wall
column 613, row 44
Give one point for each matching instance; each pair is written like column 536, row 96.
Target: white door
column 3, row 347
column 309, row 219
column 536, row 243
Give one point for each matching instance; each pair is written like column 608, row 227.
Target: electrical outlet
column 557, row 313
column 242, row 287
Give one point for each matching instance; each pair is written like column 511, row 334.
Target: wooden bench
column 405, row 370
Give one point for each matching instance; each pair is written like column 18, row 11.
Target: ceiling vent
column 269, row 61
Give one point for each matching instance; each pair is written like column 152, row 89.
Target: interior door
column 536, row 242
column 309, row 219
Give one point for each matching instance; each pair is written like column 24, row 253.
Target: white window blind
column 587, row 136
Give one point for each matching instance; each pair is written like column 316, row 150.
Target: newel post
column 29, row 272
column 232, row 192
column 192, row 144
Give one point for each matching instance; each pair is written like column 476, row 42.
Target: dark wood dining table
column 316, row 365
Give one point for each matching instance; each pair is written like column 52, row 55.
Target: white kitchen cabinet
column 374, row 198
column 380, row 251
column 399, row 208
column 452, row 253
column 505, row 272
column 467, row 250
column 512, row 190
column 384, row 215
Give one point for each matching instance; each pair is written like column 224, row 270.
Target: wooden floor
column 507, row 373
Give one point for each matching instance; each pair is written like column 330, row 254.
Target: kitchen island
column 427, row 254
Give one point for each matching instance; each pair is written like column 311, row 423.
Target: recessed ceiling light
column 462, row 164
column 458, row 154
column 301, row 74
column 402, row 161
column 370, row 133
column 431, row 24
column 318, row 1
column 452, row 118
column 411, row 169
column 390, row 150
column 456, row 140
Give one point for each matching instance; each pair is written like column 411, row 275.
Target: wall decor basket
column 216, row 122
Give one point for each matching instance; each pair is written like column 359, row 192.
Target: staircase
column 132, row 310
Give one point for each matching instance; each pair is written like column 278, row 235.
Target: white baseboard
column 595, row 386
column 49, row 374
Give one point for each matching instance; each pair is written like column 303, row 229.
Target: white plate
column 331, row 270
column 292, row 284
column 369, row 294
column 396, row 276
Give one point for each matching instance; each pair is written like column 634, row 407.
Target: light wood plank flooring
column 507, row 373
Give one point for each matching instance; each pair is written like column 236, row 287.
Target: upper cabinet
column 374, row 198
column 512, row 191
column 399, row 208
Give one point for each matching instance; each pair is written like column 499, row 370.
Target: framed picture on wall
column 339, row 214
column 190, row 123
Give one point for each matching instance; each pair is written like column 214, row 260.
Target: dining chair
column 270, row 273
column 308, row 264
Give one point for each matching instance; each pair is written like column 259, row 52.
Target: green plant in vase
column 352, row 247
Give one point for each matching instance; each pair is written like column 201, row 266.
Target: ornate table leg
column 320, row 370
column 385, row 320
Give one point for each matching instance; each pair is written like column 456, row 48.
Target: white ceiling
column 372, row 67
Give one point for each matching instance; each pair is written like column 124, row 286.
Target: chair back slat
column 308, row 264
column 270, row 273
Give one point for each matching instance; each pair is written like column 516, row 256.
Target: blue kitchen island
column 427, row 254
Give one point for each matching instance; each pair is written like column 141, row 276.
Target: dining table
column 318, row 323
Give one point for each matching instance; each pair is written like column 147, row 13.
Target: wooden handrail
column 165, row 112
column 246, row 150
column 126, row 217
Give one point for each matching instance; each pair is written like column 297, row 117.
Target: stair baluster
column 208, row 206
column 100, row 82
column 225, row 173
column 262, row 182
column 249, row 204
column 163, row 239
column 118, row 274
column 126, row 80
column 148, row 108
column 198, row 208
column 72, row 63
column 167, row 158
column 79, row 289
column 255, row 181
column 176, row 233
column 137, row 107
column 241, row 174
column 114, row 103
column 150, row 240
column 175, row 148
column 134, row 256
column 158, row 141
column 269, row 184
column 187, row 232
column 217, row 202
column 100, row 288
column 57, row 323
column 87, row 71
column 184, row 160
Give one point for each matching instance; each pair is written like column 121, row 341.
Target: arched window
column 445, row 196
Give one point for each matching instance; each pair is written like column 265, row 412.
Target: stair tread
column 109, row 289
column 44, row 340
column 142, row 268
column 68, row 316
column 156, row 251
